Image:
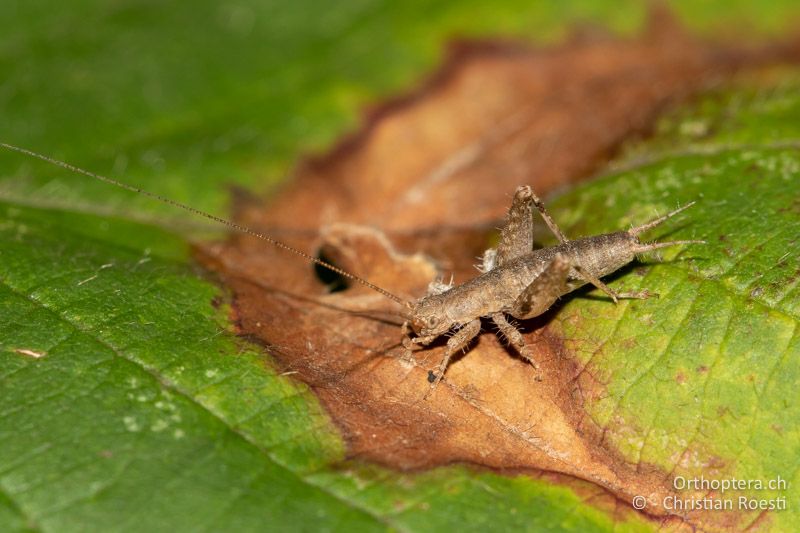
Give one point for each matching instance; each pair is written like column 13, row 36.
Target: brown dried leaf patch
column 432, row 173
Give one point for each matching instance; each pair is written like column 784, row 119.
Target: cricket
column 515, row 279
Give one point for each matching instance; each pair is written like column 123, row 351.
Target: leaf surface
column 483, row 413
column 126, row 402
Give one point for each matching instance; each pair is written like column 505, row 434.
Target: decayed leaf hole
column 417, row 192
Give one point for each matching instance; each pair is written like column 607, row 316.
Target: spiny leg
column 548, row 219
column 646, row 247
column 406, row 331
column 641, row 248
column 515, row 338
column 614, row 295
column 553, row 282
column 587, row 277
column 458, row 341
column 543, row 291
column 409, row 342
column 516, row 235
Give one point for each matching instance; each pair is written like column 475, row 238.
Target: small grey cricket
column 515, row 279
column 519, row 281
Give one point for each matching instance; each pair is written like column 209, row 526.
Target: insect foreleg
column 425, row 340
column 406, row 330
column 458, row 341
column 409, row 341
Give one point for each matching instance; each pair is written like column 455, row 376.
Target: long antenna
column 209, row 216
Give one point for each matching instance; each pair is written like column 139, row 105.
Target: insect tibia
column 655, row 222
column 209, row 216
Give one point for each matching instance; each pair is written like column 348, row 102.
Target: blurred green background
column 186, row 96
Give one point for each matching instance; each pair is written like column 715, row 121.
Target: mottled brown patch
column 432, row 173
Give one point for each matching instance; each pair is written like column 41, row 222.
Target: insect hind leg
column 552, row 283
column 614, row 295
column 548, row 219
column 543, row 291
column 516, row 237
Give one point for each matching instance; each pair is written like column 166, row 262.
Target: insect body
column 522, row 282
column 515, row 280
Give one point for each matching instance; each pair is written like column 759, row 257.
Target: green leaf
column 127, row 403
column 701, row 381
